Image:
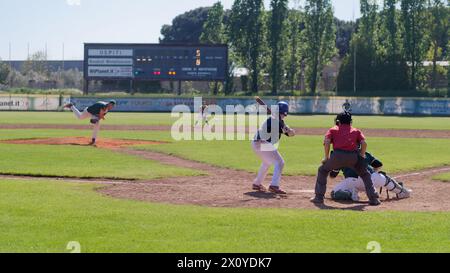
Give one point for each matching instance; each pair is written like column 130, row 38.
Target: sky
column 40, row 24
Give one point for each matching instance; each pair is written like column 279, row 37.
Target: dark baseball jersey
column 97, row 107
column 265, row 133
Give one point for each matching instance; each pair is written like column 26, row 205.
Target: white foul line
column 425, row 172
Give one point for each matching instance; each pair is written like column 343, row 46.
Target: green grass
column 45, row 216
column 374, row 122
column 445, row 177
column 74, row 161
column 69, row 118
column 319, row 121
column 40, row 133
column 303, row 154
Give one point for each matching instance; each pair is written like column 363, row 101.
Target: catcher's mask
column 344, row 118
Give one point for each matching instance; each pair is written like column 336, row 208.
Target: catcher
column 264, row 145
column 348, row 189
column 95, row 113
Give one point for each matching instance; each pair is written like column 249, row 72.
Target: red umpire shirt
column 345, row 137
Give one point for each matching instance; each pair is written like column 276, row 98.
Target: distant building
column 430, row 63
column 53, row 66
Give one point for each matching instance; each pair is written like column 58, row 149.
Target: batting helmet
column 283, row 107
column 344, row 118
column 113, row 102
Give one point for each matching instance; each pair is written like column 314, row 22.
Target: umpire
column 345, row 140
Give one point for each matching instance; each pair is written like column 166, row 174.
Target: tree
column 448, row 70
column 358, row 70
column 376, row 61
column 213, row 28
column 235, row 34
column 36, row 63
column 4, row 72
column 295, row 52
column 213, row 31
column 368, row 26
column 185, row 28
column 392, row 68
column 277, row 41
column 390, row 30
column 344, row 32
column 415, row 42
column 439, row 28
column 246, row 32
column 367, row 40
column 320, row 38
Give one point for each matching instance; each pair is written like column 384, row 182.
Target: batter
column 264, row 145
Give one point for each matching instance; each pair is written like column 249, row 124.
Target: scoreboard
column 153, row 62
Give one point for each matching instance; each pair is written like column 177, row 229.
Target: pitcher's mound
column 83, row 141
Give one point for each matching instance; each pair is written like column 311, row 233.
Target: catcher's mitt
column 334, row 173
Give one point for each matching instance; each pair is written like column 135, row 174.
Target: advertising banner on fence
column 333, row 105
column 14, row 103
column 32, row 103
column 298, row 105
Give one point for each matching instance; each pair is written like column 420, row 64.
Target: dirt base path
column 232, row 188
column 82, row 141
column 300, row 131
column 223, row 187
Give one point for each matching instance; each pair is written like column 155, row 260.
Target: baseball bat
column 262, row 103
column 288, row 131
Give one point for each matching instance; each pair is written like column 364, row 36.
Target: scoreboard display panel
column 153, row 62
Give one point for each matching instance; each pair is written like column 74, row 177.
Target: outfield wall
column 309, row 105
column 32, row 102
column 299, row 105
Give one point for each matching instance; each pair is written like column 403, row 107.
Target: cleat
column 375, row 202
column 317, row 200
column 276, row 190
column 404, row 194
column 259, row 188
column 69, row 105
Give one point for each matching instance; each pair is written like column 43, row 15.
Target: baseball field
column 139, row 190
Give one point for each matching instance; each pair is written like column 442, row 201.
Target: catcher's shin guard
column 396, row 187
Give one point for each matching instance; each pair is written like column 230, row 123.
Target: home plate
column 303, row 191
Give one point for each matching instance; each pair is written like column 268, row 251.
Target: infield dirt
column 223, row 187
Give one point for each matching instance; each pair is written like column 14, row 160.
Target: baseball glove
column 334, row 173
column 288, row 131
column 94, row 120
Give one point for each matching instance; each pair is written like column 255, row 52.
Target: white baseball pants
column 355, row 185
column 85, row 115
column 269, row 157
